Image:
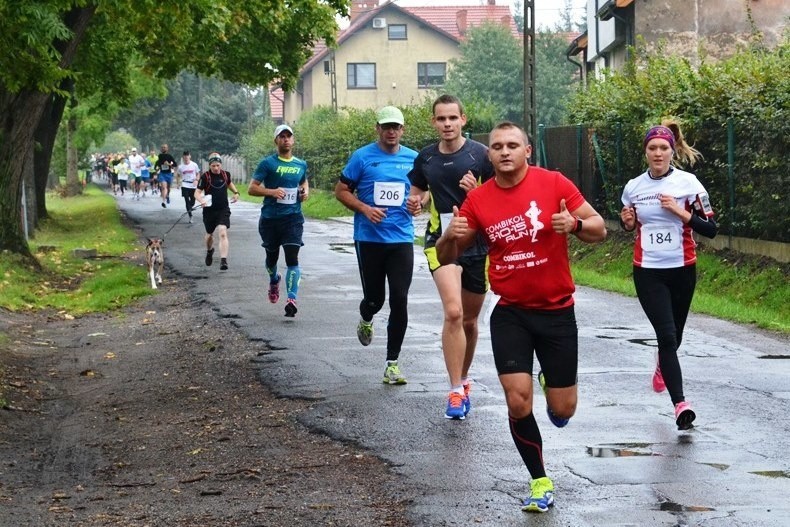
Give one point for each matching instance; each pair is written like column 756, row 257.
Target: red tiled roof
column 447, row 17
column 276, row 98
column 444, row 19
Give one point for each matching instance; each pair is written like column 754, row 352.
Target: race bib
column 445, row 218
column 388, row 194
column 290, row 196
column 660, row 238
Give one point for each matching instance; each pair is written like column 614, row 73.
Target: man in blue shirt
column 375, row 184
column 281, row 179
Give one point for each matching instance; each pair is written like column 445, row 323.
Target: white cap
column 282, row 128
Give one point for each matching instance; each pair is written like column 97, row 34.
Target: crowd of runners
column 496, row 223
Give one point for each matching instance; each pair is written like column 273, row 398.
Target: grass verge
column 69, row 284
column 733, row 286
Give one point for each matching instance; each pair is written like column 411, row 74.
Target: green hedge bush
column 751, row 89
column 326, row 139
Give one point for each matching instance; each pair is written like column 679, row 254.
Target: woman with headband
column 664, row 205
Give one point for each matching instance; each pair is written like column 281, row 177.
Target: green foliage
column 751, row 89
column 490, row 75
column 197, row 114
column 118, row 141
column 554, row 78
column 490, row 69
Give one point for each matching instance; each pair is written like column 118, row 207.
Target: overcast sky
column 547, row 12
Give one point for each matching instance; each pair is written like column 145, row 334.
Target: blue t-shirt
column 276, row 172
column 381, row 180
column 145, row 173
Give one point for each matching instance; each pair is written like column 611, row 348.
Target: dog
column 155, row 260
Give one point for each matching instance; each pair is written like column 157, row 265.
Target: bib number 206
column 389, row 194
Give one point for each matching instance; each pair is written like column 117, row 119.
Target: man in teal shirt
column 281, row 179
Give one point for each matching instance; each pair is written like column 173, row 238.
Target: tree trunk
column 46, row 133
column 73, row 184
column 20, row 116
column 21, row 113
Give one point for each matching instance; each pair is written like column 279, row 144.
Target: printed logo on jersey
column 526, row 225
column 288, row 170
column 523, row 225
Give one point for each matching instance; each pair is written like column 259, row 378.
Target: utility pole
column 530, row 118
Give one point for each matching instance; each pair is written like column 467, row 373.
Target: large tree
column 490, row 70
column 45, row 58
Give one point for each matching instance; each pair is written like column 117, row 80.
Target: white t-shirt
column 189, row 174
column 663, row 241
column 136, row 163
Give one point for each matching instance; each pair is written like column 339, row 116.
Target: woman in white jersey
column 189, row 172
column 664, row 205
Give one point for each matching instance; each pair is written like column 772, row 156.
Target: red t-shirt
column 529, row 265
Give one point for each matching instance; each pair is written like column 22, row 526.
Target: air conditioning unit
column 379, row 23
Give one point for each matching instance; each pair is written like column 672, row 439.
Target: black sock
column 526, row 436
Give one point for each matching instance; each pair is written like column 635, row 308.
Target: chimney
column 360, row 7
column 491, row 2
column 460, row 21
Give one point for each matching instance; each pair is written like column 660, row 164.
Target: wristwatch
column 579, row 225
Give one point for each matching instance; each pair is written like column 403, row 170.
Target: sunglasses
column 391, row 126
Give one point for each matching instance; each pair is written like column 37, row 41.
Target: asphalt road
column 620, row 462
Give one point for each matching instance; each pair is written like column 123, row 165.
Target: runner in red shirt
column 525, row 214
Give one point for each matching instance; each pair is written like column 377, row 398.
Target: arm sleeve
column 703, row 226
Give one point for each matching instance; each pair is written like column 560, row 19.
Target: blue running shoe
column 455, row 406
column 559, row 422
column 467, row 400
column 541, row 496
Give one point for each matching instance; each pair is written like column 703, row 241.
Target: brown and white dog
column 155, row 259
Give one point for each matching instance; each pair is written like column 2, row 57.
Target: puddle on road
column 720, row 466
column 671, row 506
column 621, row 450
column 645, row 342
column 341, row 247
column 772, row 473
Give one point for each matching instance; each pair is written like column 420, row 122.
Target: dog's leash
column 179, row 219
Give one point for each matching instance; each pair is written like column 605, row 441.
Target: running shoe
column 163, row 205
column 209, row 257
column 223, row 264
column 467, row 400
column 290, row 308
column 541, row 496
column 365, row 332
column 658, row 380
column 559, row 422
column 274, row 290
column 392, row 374
column 455, row 406
column 168, row 200
column 684, row 416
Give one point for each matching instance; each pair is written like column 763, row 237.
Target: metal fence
column 234, row 165
column 746, row 188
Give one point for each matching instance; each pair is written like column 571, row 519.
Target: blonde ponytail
column 685, row 154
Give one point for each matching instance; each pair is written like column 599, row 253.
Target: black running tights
column 665, row 295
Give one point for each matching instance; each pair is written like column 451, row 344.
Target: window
column 361, row 75
column 396, row 32
column 431, row 74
